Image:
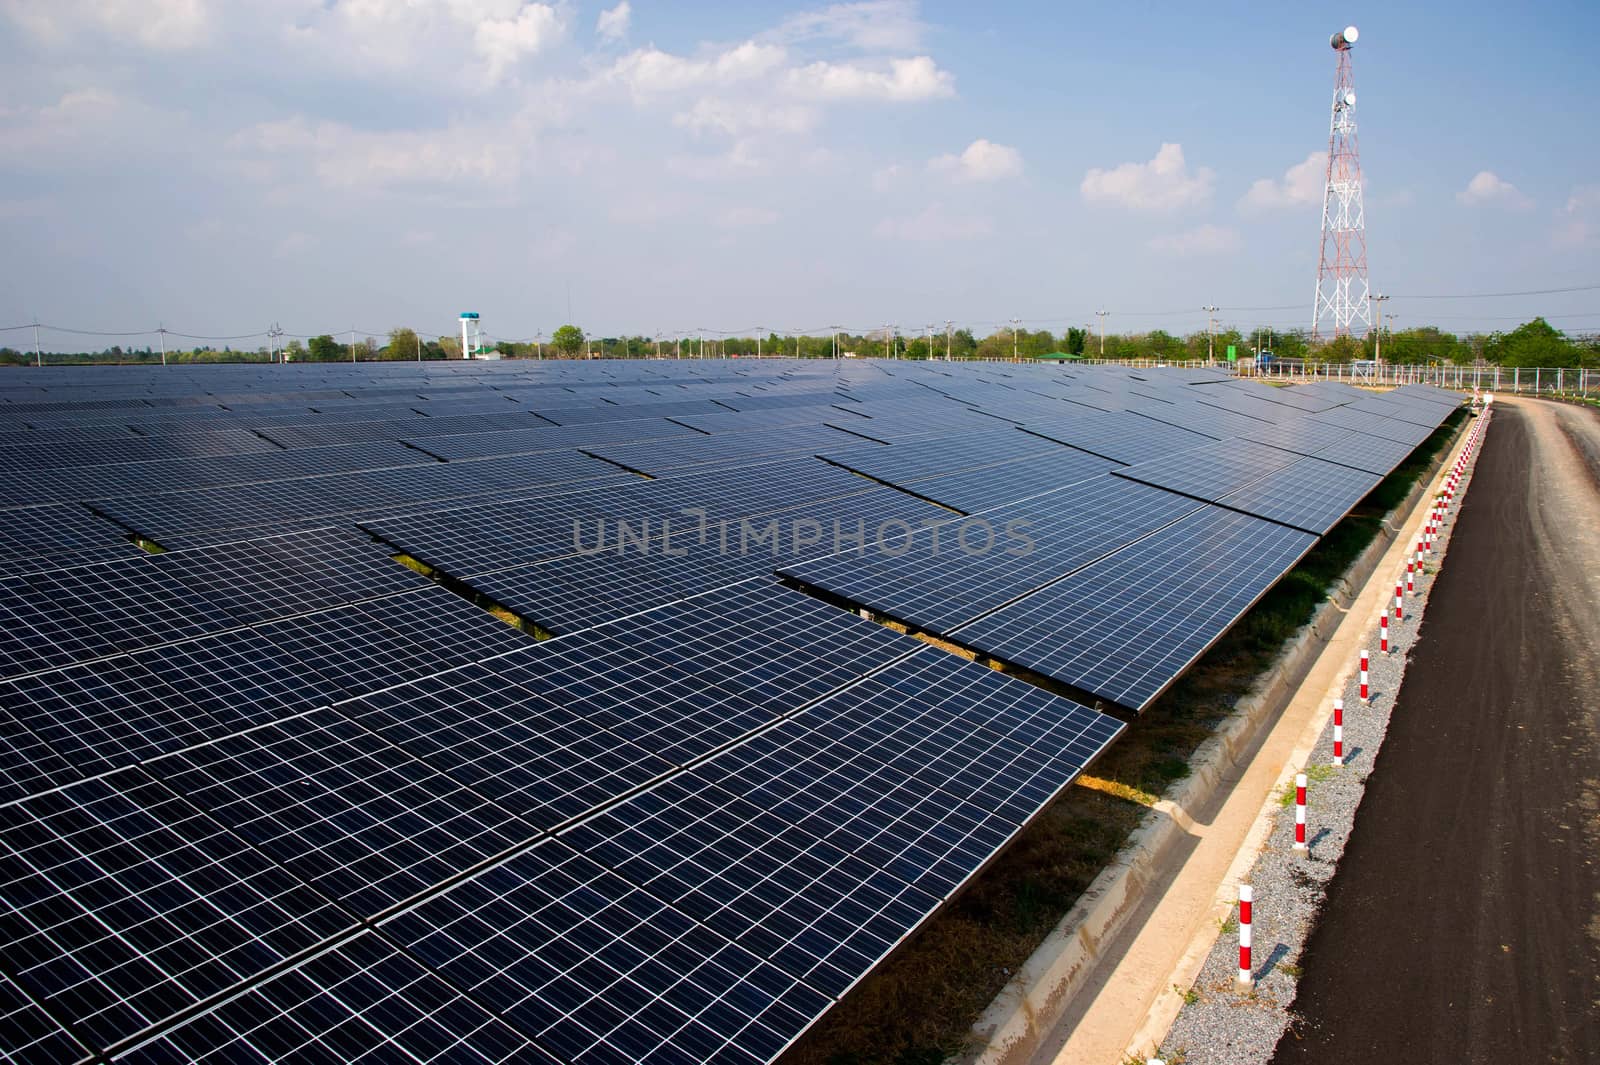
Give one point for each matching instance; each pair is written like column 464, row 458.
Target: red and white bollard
column 1383, row 633
column 1246, row 976
column 1338, row 732
column 1300, row 812
column 1411, row 575
column 1365, row 697
column 1399, row 602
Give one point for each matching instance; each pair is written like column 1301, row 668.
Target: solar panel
column 125, row 904
column 977, row 490
column 597, row 970
column 31, row 1036
column 1213, row 471
column 1308, row 494
column 347, row 812
column 1125, row 627
column 103, row 715
column 1121, row 436
column 133, row 602
column 541, row 761
column 948, row 577
column 363, row 1001
column 240, row 678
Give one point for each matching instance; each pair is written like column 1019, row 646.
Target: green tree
column 1075, row 340
column 403, row 344
column 568, row 340
column 1345, row 348
column 1535, row 343
column 324, row 349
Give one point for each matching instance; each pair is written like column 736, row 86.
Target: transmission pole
column 38, row 355
column 1341, row 301
column 1211, row 335
column 161, row 331
column 1377, row 351
column 1102, row 316
column 1014, row 341
column 947, row 326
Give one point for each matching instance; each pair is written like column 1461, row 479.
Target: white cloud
column 1579, row 220
column 1487, row 189
column 504, row 42
column 343, row 157
column 740, row 161
column 1302, row 185
column 613, row 23
column 166, row 25
column 650, row 71
column 1163, row 184
column 883, row 180
column 878, row 26
column 1202, row 240
column 983, row 160
column 745, row 217
column 905, row 80
column 736, row 118
column 935, row 224
column 396, row 38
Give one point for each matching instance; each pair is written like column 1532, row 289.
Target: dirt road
column 1464, row 923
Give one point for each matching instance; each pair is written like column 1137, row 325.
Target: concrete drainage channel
column 1023, row 1015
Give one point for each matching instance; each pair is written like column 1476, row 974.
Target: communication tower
column 1342, row 306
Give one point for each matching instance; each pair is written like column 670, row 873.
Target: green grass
column 921, row 1004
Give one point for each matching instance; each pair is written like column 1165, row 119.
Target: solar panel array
column 267, row 794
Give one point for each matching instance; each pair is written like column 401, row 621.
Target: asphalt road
column 1463, row 925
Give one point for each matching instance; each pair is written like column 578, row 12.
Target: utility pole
column 161, row 331
column 352, row 345
column 1377, row 354
column 1014, row 341
column 1211, row 335
column 38, row 356
column 1102, row 316
column 418, row 338
column 947, row 325
column 929, row 341
column 680, row 345
column 658, row 344
column 758, row 342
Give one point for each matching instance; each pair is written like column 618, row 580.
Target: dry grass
column 919, row 1007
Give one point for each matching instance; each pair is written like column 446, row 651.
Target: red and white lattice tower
column 1342, row 306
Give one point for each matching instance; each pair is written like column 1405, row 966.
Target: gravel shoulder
column 1219, row 1023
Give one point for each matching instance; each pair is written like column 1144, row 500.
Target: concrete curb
column 1027, row 1009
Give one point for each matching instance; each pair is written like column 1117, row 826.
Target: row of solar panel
column 731, row 902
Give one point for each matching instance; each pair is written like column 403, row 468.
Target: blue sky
column 327, row 164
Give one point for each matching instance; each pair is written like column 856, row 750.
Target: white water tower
column 472, row 336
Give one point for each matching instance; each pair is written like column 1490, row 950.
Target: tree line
column 1534, row 343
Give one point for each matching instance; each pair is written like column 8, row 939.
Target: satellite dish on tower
column 1344, row 38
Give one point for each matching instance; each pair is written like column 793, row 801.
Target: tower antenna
column 1342, row 305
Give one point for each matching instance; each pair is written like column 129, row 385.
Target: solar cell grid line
column 1367, row 423
column 541, row 761
column 957, row 729
column 1309, row 494
column 1374, row 454
column 900, row 463
column 1427, row 415
column 132, row 601
column 1301, row 435
column 1212, row 471
column 1120, row 436
column 982, row 489
column 875, row 811
column 1248, row 405
column 58, row 530
column 653, row 705
column 601, row 972
column 240, row 678
column 103, row 715
column 924, row 769
column 352, row 815
column 1211, row 421
column 810, row 908
column 937, row 585
column 29, row 1035
column 125, row 904
column 445, row 625
column 28, row 765
column 1126, row 626
column 362, row 1001
column 352, row 649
